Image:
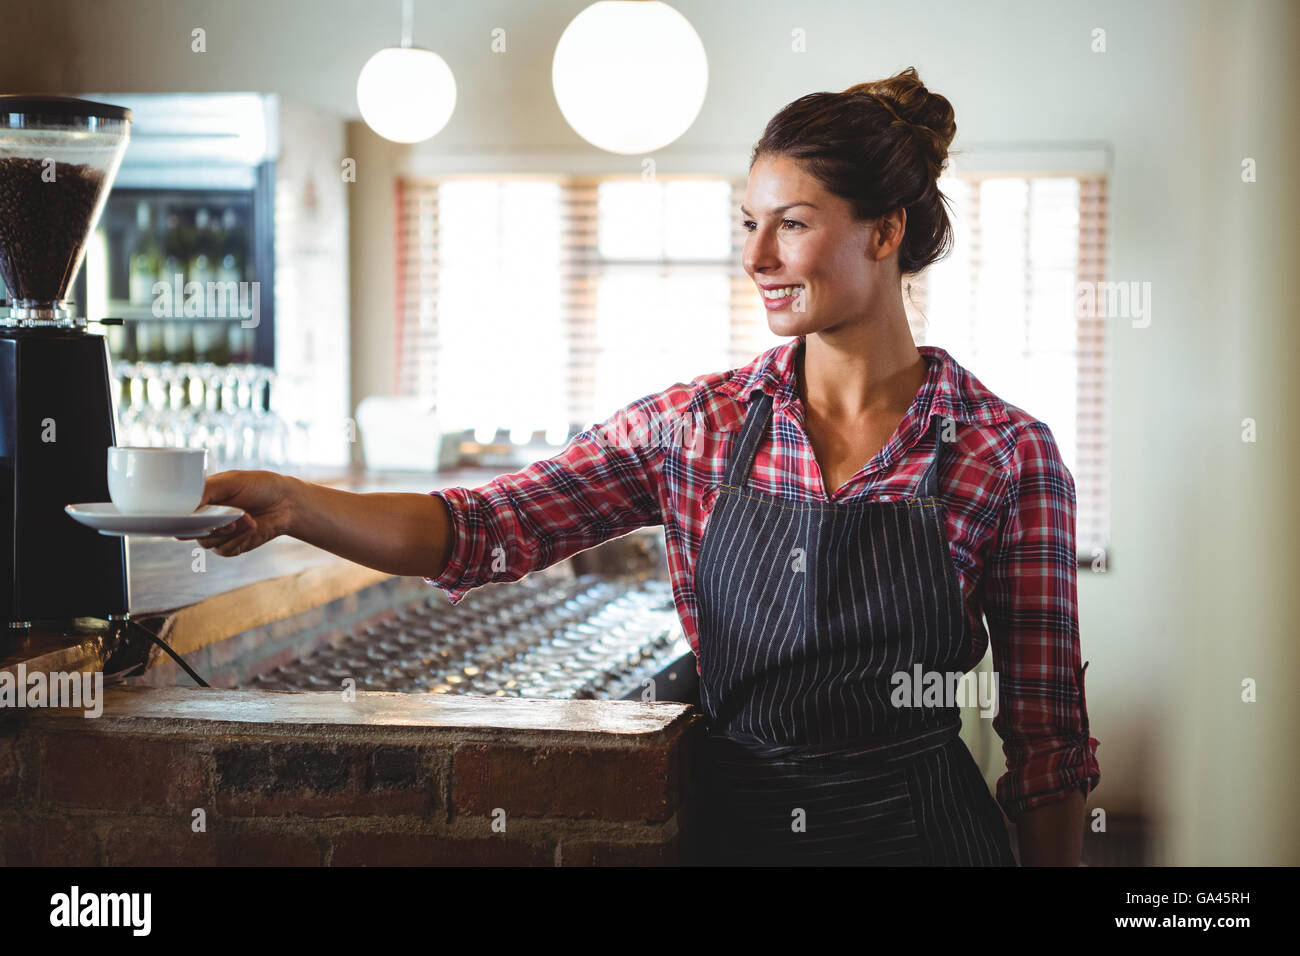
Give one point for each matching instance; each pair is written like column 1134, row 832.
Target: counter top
column 178, row 710
column 191, row 608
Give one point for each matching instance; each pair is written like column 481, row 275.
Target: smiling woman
column 849, row 508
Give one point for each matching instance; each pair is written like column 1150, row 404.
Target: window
column 481, row 267
column 607, row 289
column 1002, row 303
column 662, row 286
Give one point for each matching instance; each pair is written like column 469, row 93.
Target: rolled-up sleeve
column 605, row 483
column 1031, row 606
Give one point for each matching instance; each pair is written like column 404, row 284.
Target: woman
column 839, row 514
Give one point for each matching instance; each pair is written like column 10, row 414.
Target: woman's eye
column 749, row 224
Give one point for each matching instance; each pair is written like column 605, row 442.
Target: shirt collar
column 948, row 391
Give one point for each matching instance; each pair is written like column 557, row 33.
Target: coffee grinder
column 58, row 159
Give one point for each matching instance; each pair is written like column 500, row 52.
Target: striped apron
column 807, row 610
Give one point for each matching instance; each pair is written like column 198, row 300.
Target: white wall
column 1201, row 590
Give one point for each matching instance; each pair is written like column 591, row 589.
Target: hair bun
column 928, row 115
column 880, row 146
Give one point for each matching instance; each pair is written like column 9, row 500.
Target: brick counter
column 308, row 778
column 286, row 778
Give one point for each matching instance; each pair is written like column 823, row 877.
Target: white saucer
column 104, row 517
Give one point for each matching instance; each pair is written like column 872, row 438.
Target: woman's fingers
column 244, row 522
column 237, row 544
column 243, row 526
column 231, row 548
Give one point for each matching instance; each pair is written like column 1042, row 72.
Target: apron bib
column 806, row 611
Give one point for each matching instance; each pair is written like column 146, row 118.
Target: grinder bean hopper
column 58, row 159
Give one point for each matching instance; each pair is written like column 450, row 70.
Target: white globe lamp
column 406, row 93
column 630, row 75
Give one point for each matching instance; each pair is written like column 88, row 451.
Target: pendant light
column 406, row 94
column 630, row 75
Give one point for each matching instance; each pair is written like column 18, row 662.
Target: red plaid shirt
column 1010, row 504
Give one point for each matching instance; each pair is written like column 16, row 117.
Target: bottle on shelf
column 218, row 351
column 149, row 346
column 236, row 341
column 173, row 251
column 187, row 236
column 202, row 265
column 233, row 249
column 241, row 343
column 204, row 251
column 178, row 339
column 127, row 351
column 146, row 259
column 217, row 240
column 202, row 340
column 116, row 338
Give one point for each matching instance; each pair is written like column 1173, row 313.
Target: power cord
column 163, row 644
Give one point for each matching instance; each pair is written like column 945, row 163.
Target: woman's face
column 802, row 235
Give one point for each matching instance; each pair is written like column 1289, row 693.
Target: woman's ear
column 886, row 233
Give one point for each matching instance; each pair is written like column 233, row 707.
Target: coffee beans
column 43, row 225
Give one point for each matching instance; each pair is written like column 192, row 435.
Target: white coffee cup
column 156, row 480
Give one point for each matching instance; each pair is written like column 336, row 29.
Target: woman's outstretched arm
column 400, row 533
column 604, row 483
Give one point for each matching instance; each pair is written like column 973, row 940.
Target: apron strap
column 929, row 487
column 741, row 459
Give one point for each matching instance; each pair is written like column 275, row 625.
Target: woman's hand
column 1052, row 834
column 265, row 497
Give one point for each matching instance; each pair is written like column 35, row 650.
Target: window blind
column 545, row 303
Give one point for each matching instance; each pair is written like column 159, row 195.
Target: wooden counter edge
column 224, row 615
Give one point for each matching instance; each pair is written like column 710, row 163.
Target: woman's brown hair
column 881, row 146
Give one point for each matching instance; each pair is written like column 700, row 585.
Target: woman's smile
column 777, row 297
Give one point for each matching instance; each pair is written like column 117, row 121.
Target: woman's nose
column 760, row 252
